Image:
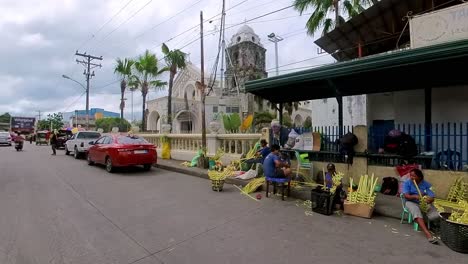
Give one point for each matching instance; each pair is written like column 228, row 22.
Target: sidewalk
column 389, row 206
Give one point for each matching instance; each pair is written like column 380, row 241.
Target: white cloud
column 33, row 40
column 40, row 37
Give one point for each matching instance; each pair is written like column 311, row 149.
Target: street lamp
column 87, row 96
column 275, row 39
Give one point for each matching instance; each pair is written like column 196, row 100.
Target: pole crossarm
column 87, row 63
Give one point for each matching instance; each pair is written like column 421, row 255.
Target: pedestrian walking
column 53, row 142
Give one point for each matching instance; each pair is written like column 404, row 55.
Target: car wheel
column 67, row 152
column 147, row 167
column 109, row 166
column 76, row 154
column 90, row 162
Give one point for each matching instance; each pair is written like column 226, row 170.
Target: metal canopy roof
column 427, row 67
column 376, row 29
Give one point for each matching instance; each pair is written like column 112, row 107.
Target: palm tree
column 133, row 85
column 324, row 10
column 123, row 68
column 175, row 60
column 147, row 72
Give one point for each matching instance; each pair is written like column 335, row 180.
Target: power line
column 103, row 25
column 128, row 19
column 166, row 20
column 246, row 21
column 196, row 26
column 331, row 54
column 74, row 102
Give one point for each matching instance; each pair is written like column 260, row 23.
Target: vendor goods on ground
column 362, row 201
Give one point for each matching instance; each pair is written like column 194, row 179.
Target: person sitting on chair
column 260, row 155
column 411, row 195
column 274, row 167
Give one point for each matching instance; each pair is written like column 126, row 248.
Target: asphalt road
column 55, row 209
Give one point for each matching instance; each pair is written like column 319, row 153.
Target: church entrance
column 185, row 122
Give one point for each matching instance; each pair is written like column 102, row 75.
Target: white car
column 79, row 142
column 5, row 138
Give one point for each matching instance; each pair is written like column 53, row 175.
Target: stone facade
column 245, row 60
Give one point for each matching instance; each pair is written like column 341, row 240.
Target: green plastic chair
column 409, row 215
column 406, row 213
column 302, row 163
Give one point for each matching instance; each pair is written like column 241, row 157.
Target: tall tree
column 326, row 13
column 53, row 121
column 5, row 118
column 124, row 69
column 175, row 60
column 147, row 73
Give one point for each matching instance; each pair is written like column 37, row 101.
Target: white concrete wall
column 449, row 104
column 325, row 111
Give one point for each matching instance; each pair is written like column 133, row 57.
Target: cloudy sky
column 40, row 37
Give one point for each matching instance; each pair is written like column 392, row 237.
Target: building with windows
column 245, row 57
column 78, row 117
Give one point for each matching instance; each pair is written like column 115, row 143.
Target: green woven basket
column 217, row 185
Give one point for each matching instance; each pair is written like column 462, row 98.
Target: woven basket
column 217, row 185
column 454, row 235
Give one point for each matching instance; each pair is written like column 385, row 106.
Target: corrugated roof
column 376, row 29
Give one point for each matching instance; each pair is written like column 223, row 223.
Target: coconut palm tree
column 326, row 13
column 175, row 59
column 146, row 77
column 123, row 68
column 133, row 85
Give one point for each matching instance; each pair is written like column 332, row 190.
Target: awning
column 428, row 67
column 377, row 29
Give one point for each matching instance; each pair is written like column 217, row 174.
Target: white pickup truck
column 79, row 142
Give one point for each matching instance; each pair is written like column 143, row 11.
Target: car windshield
column 132, row 140
column 88, row 135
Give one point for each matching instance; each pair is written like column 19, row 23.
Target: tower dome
column 246, row 30
column 245, row 34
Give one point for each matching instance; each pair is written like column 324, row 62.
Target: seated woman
column 274, row 167
column 260, row 155
column 340, row 194
column 412, row 201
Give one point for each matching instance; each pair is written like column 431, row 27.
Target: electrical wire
column 166, row 20
column 128, row 19
column 73, row 103
column 103, row 25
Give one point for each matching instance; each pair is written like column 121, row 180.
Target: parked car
column 5, row 138
column 62, row 137
column 79, row 143
column 122, row 151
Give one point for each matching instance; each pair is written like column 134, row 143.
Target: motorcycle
column 19, row 145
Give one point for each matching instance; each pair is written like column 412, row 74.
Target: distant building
column 78, row 117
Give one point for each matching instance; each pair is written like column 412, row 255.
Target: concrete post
column 212, row 143
column 361, row 134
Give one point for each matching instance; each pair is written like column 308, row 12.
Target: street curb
column 203, row 175
column 303, row 194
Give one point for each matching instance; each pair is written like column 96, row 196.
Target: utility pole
column 202, row 66
column 39, row 114
column 38, row 119
column 88, row 66
column 223, row 44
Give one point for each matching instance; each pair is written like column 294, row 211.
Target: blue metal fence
column 329, row 135
column 447, row 143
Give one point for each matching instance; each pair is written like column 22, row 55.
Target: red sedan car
column 122, row 151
